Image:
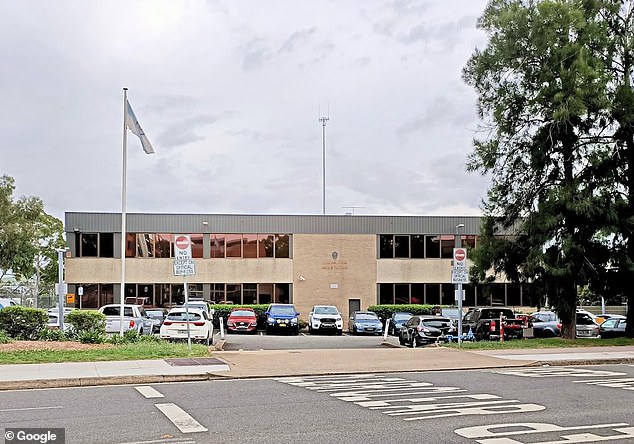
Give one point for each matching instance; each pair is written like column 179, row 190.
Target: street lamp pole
column 458, row 244
column 60, row 286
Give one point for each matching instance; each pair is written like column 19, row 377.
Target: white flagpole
column 123, row 207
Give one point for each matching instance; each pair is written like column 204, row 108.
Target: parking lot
column 304, row 341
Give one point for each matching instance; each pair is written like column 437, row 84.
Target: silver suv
column 325, row 318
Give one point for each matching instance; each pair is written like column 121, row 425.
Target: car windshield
column 242, row 313
column 543, row 317
column 326, row 310
column 367, row 317
column 402, row 316
column 182, row 316
column 282, row 310
column 154, row 313
column 437, row 322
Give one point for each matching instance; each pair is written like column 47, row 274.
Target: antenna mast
column 323, row 121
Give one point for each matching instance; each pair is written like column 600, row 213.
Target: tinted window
column 282, row 310
column 182, row 316
column 242, row 313
column 366, row 317
column 326, row 310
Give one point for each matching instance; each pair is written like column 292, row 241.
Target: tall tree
column 28, row 238
column 541, row 84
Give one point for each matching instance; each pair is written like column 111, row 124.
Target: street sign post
column 459, row 276
column 184, row 266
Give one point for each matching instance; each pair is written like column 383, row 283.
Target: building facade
column 348, row 261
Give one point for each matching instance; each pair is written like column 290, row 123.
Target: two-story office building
column 348, row 261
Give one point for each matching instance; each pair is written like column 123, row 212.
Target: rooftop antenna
column 323, row 121
column 352, row 208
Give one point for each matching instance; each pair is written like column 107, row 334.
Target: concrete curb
column 210, row 376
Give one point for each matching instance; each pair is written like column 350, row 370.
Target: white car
column 134, row 318
column 325, row 318
column 175, row 325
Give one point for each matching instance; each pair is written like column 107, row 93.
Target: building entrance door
column 353, row 305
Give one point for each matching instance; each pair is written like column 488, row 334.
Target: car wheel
column 401, row 340
column 340, row 332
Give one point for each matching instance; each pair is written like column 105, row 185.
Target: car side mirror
column 296, row 313
column 267, row 313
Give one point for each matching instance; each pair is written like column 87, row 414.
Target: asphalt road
column 525, row 405
column 301, row 341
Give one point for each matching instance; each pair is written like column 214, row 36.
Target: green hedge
column 23, row 322
column 385, row 311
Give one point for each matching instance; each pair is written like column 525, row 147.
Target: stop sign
column 182, row 242
column 460, row 254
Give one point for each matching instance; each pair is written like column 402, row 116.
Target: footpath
column 277, row 363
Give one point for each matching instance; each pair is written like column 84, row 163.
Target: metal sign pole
column 189, row 338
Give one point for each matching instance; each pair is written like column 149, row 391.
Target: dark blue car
column 365, row 322
column 282, row 318
column 396, row 322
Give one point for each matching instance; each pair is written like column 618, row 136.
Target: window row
column 168, row 295
column 444, row 294
column 162, row 245
column 421, row 246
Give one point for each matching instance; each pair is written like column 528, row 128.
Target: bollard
column 501, row 328
column 222, row 327
column 387, row 324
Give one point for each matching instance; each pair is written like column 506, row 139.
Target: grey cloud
column 296, row 38
column 446, row 33
column 409, row 7
column 170, row 103
column 447, row 111
column 255, row 55
column 185, row 131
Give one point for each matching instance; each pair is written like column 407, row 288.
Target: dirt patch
column 50, row 345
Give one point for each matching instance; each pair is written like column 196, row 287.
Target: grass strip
column 123, row 352
column 543, row 343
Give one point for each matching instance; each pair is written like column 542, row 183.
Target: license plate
column 282, row 325
column 369, row 329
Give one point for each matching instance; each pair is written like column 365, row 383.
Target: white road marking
column 180, row 418
column 499, row 433
column 163, row 441
column 547, row 372
column 409, row 400
column 32, row 408
column 149, row 392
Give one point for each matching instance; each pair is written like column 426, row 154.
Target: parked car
column 7, row 302
column 53, row 321
column 397, row 320
column 199, row 304
column 134, row 318
column 157, row 315
column 175, row 325
column 365, row 322
column 586, row 326
column 419, row 330
column 282, row 317
column 242, row 320
column 325, row 318
column 614, row 327
column 545, row 324
column 484, row 322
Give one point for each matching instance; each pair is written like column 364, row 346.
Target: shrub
column 385, row 311
column 91, row 337
column 130, row 336
column 4, row 337
column 150, row 338
column 303, row 324
column 86, row 321
column 23, row 322
column 52, row 334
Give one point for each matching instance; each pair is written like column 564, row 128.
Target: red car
column 242, row 319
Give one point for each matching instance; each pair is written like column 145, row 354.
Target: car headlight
column 294, row 321
column 358, row 325
column 270, row 320
column 338, row 319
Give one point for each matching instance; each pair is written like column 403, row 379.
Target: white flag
column 133, row 124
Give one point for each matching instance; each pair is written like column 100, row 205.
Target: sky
column 230, row 93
